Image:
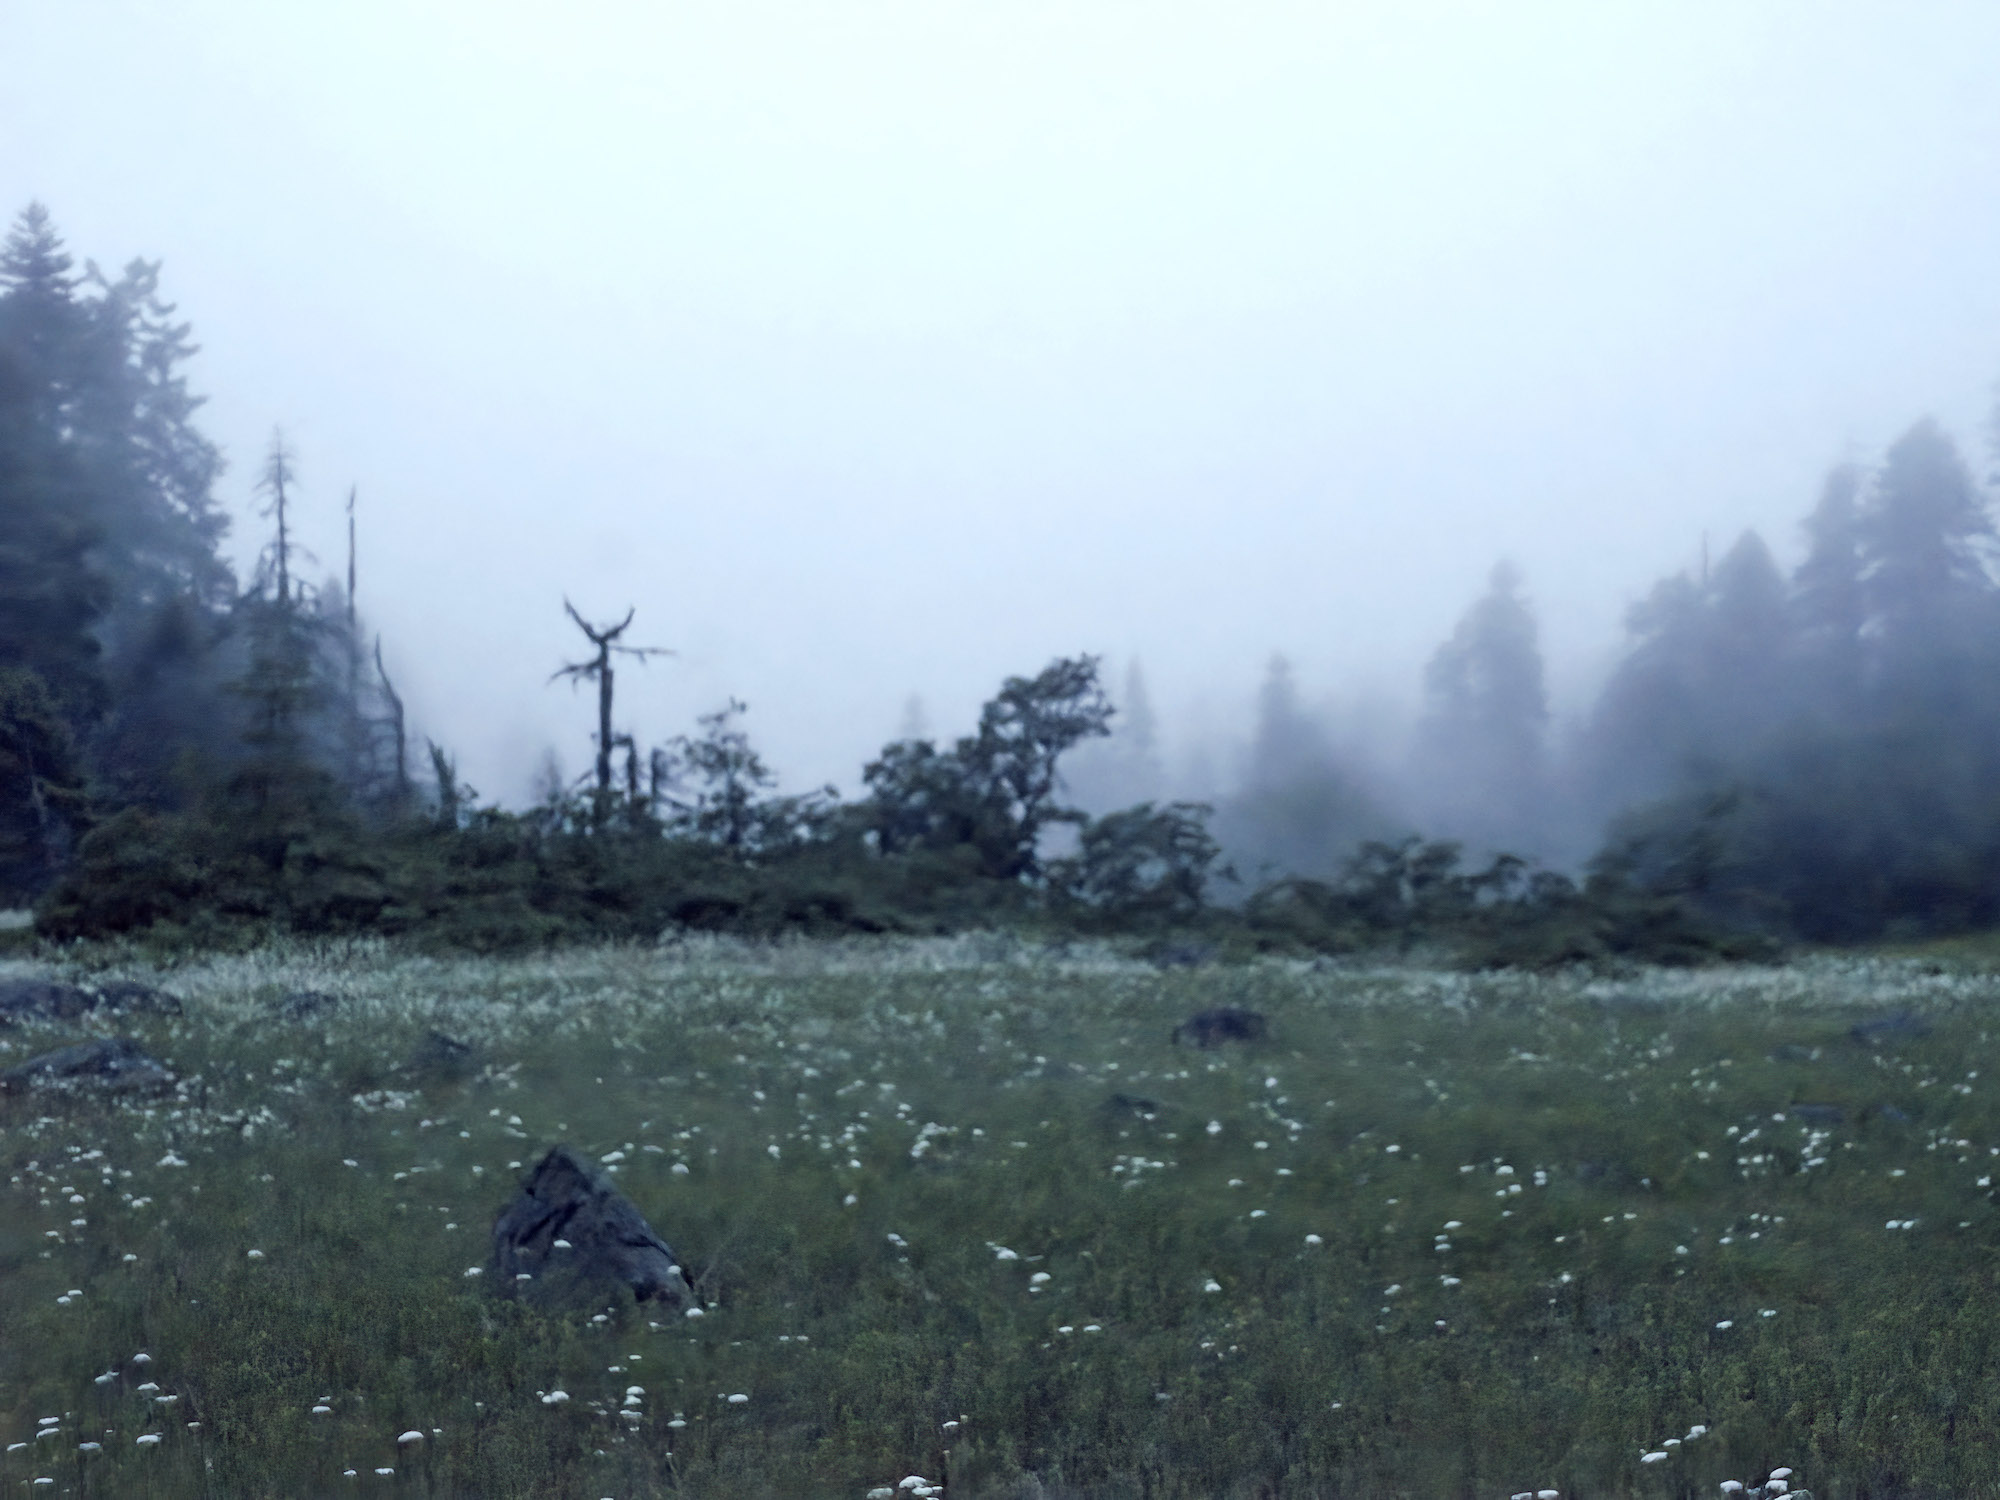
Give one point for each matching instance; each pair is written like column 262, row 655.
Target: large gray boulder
column 107, row 1065
column 569, row 1233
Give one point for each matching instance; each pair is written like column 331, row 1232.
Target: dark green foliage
column 52, row 591
column 43, row 809
column 921, row 798
column 715, row 788
column 1818, row 761
column 728, row 776
column 1023, row 731
column 1417, row 896
column 111, row 587
column 1143, row 867
column 993, row 792
column 1402, row 894
column 167, row 714
column 1833, row 840
column 96, row 409
column 940, row 845
column 246, row 863
column 136, row 869
column 276, row 842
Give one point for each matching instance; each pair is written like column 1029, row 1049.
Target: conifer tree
column 106, row 511
column 1745, row 642
column 1298, row 810
column 1139, row 735
column 1923, row 533
column 1829, row 601
column 53, row 594
column 1483, row 742
column 44, row 324
column 283, row 687
column 103, row 360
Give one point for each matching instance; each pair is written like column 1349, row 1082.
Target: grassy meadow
column 960, row 1211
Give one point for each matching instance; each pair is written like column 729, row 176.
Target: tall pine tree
column 53, row 591
column 1483, row 744
column 1829, row 601
column 108, row 525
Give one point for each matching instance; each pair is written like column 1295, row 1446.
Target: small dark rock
column 441, row 1056
column 303, row 1005
column 1890, row 1113
column 608, row 1240
column 1818, row 1114
column 1132, row 1104
column 1903, row 1026
column 1793, row 1052
column 41, row 1000
column 1228, row 1023
column 115, row 1065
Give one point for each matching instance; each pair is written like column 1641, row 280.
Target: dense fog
column 1818, row 742
column 1560, row 435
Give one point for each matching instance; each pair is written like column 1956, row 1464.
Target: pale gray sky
column 880, row 348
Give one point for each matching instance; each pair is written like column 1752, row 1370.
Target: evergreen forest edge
column 204, row 760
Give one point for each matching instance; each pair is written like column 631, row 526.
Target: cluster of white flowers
column 1665, row 1451
column 1778, row 1482
column 911, row 1484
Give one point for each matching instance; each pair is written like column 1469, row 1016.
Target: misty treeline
column 184, row 749
column 1805, row 756
column 202, row 756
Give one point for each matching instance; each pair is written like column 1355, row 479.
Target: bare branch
column 598, row 670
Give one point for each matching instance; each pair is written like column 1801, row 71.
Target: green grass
column 961, row 1094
